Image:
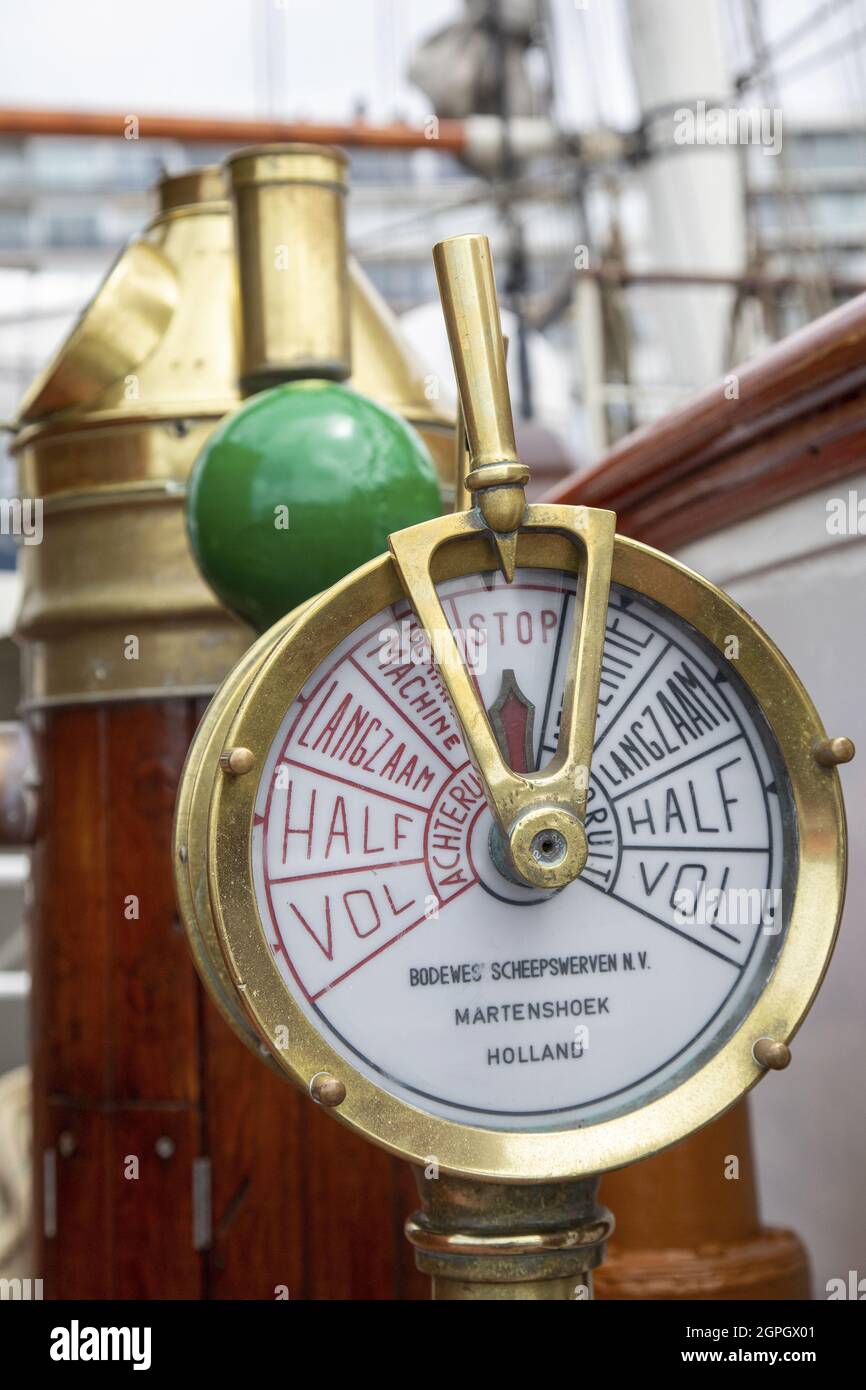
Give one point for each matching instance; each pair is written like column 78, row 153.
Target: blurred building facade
column 67, row 206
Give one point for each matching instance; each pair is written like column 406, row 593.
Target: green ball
column 299, row 486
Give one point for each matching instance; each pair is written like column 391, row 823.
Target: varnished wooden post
column 688, row 1225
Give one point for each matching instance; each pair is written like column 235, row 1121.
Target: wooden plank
column 254, row 1136
column 115, row 1022
column 821, row 367
column 152, row 1006
column 111, row 1234
column 128, row 1050
column 352, row 1245
column 816, row 453
column 71, row 985
column 153, row 1253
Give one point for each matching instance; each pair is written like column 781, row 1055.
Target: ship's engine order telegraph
column 521, row 849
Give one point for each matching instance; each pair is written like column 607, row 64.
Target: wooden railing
column 788, row 422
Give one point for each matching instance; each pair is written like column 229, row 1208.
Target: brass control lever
column 539, row 814
column 464, row 272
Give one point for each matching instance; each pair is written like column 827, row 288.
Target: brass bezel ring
column 189, row 838
column 394, row 1124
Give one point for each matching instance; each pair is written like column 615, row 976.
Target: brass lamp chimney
column 306, row 310
column 289, row 213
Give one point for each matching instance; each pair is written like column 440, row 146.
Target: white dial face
column 437, row 976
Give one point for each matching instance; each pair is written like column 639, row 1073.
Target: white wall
column 807, row 589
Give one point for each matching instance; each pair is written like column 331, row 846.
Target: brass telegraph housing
column 215, row 808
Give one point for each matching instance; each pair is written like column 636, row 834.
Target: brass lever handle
column 539, row 813
column 467, row 288
column 462, row 458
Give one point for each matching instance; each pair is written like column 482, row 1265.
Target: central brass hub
column 547, row 846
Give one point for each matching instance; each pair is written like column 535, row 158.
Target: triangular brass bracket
column 539, row 813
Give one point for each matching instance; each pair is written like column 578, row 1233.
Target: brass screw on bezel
column 829, row 752
column 771, row 1054
column 326, row 1090
column 237, row 761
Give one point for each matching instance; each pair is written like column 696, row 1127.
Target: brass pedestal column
column 493, row 1241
